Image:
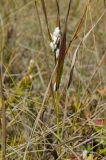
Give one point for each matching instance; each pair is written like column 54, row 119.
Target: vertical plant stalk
column 62, row 50
column 44, row 45
column 105, row 26
column 43, row 41
column 58, row 14
column 46, row 19
column 65, row 114
column 3, row 120
column 57, row 116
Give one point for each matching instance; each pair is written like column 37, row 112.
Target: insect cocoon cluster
column 54, row 44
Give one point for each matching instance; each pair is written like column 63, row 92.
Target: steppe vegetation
column 53, row 79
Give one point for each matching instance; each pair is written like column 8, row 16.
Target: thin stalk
column 46, row 19
column 3, row 120
column 57, row 116
column 58, row 14
column 43, row 41
column 105, row 26
column 62, row 50
column 45, row 51
column 78, row 26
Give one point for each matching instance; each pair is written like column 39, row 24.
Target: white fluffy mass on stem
column 55, row 41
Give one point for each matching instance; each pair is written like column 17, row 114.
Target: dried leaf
column 99, row 122
column 101, row 91
column 73, row 157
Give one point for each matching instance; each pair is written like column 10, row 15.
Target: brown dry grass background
column 25, row 80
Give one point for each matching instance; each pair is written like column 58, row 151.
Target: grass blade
column 46, row 19
column 3, row 118
column 61, row 60
column 58, row 14
column 78, row 26
column 73, row 64
column 62, row 51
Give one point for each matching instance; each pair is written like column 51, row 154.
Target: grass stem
column 3, row 121
column 57, row 116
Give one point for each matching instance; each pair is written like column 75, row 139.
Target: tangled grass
column 53, row 107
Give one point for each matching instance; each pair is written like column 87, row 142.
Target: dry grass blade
column 45, row 51
column 43, row 40
column 40, row 114
column 61, row 59
column 105, row 26
column 46, row 19
column 94, row 73
column 78, row 26
column 3, row 119
column 69, row 6
column 62, row 51
column 75, row 54
column 73, row 64
column 58, row 14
